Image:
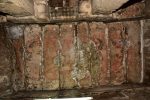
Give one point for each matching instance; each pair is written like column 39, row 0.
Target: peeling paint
column 99, row 53
column 14, row 32
column 33, row 55
column 77, row 55
column 133, row 58
column 18, row 45
column 51, row 58
column 117, row 53
column 68, row 54
column 6, row 65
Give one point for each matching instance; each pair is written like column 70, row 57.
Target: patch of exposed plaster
column 14, row 32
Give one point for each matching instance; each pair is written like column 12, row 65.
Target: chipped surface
column 78, row 55
column 133, row 59
column 32, row 56
column 51, row 58
column 68, row 55
column 15, row 32
column 116, row 47
column 84, row 55
column 99, row 56
column 5, row 64
column 147, row 50
column 18, row 45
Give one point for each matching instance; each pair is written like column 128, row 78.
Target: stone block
column 134, row 57
column 117, row 56
column 99, row 54
column 32, row 57
column 51, row 58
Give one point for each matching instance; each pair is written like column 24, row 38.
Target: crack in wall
column 124, row 37
column 61, row 79
column 24, row 56
column 76, row 48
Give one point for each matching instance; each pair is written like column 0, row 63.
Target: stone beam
column 41, row 9
column 17, row 7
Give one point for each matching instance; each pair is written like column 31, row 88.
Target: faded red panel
column 33, row 56
column 51, row 63
column 68, row 56
column 116, row 47
column 134, row 60
column 99, row 54
column 84, row 55
column 19, row 53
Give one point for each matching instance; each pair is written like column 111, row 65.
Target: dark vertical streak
column 124, row 53
column 60, row 59
column 24, row 59
column 75, row 30
column 76, row 48
column 90, row 58
column 76, row 44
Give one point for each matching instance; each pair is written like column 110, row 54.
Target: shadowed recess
column 129, row 3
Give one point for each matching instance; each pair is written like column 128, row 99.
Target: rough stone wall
column 147, row 50
column 78, row 55
column 147, row 6
column 146, row 30
column 15, row 36
column 74, row 55
column 5, row 64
